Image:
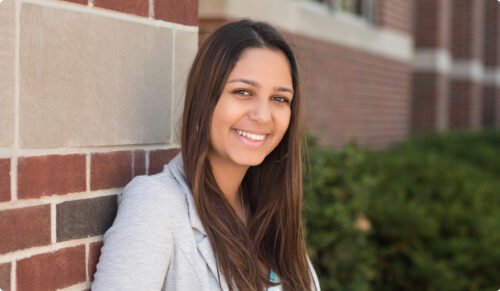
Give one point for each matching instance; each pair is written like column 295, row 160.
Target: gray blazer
column 157, row 241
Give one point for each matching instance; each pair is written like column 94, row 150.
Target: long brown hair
column 272, row 189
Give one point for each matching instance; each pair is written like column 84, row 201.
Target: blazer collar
column 177, row 169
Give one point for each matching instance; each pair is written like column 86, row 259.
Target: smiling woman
column 251, row 115
column 226, row 212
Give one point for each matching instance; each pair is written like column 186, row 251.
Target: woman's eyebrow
column 257, row 85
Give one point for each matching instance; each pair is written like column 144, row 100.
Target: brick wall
column 467, row 23
column 430, row 106
column 456, row 65
column 353, row 95
column 395, row 14
column 467, row 51
column 432, row 23
column 491, row 61
column 91, row 92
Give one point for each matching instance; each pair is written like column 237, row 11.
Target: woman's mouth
column 249, row 138
column 252, row 136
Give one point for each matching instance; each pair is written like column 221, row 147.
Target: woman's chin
column 250, row 161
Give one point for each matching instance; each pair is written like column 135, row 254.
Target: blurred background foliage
column 423, row 215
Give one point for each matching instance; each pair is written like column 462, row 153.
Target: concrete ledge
column 432, row 60
column 492, row 77
column 314, row 20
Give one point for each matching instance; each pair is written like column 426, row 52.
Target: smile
column 252, row 136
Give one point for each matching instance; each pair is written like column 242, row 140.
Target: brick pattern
column 178, row 11
column 52, row 271
column 492, row 34
column 94, row 254
column 5, row 276
column 110, row 170
column 430, row 108
column 137, row 7
column 467, row 32
column 48, row 175
column 22, row 228
column 465, row 104
column 139, row 163
column 491, row 107
column 351, row 94
column 432, row 23
column 430, row 102
column 85, row 217
column 395, row 14
column 5, row 180
column 158, row 158
column 30, row 227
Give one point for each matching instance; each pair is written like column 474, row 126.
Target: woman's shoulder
column 148, row 200
column 158, row 188
column 138, row 246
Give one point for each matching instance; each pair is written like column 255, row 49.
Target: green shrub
column 432, row 207
column 335, row 195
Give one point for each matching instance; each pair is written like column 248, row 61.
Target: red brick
column 491, row 106
column 22, row 228
column 491, row 34
column 51, row 271
column 467, row 29
column 351, row 94
column 47, row 175
column 178, row 11
column 110, row 170
column 138, row 7
column 139, row 163
column 432, row 23
column 430, row 102
column 158, row 158
column 5, row 276
column 4, row 180
column 84, row 2
column 465, row 104
column 94, row 254
column 395, row 14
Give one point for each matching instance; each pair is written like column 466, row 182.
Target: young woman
column 226, row 212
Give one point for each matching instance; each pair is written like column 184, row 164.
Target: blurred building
column 379, row 70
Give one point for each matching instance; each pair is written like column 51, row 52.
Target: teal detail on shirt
column 274, row 279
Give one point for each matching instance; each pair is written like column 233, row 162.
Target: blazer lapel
column 206, row 251
column 202, row 240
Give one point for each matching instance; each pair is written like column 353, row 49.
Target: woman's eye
column 242, row 92
column 281, row 99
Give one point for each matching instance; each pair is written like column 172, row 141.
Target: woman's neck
column 229, row 177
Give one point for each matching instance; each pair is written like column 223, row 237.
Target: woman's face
column 253, row 111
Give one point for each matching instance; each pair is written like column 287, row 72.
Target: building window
column 360, row 8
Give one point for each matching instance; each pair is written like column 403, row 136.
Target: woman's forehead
column 263, row 66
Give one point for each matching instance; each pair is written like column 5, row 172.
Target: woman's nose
column 260, row 112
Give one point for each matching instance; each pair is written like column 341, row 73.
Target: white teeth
column 251, row 135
